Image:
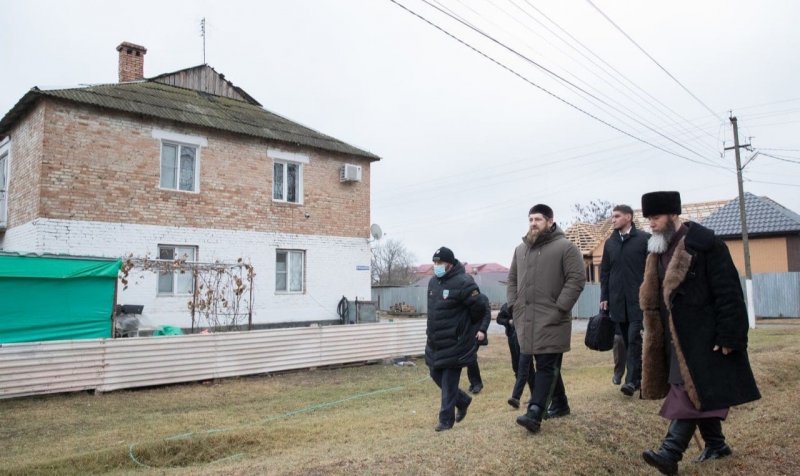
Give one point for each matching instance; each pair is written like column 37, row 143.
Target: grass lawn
column 379, row 419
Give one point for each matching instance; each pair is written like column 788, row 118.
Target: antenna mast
column 203, row 34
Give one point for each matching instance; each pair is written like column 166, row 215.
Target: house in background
column 186, row 164
column 773, row 232
column 484, row 274
column 590, row 237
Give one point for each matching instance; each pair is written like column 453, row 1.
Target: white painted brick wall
column 330, row 264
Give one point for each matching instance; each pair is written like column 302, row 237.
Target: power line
column 548, row 92
column 785, row 159
column 602, row 78
column 619, row 73
column 632, row 114
column 653, row 59
column 555, row 75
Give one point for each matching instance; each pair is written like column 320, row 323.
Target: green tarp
column 48, row 298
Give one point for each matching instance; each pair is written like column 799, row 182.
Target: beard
column 659, row 242
column 534, row 233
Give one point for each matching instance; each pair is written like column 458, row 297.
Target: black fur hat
column 546, row 211
column 661, row 203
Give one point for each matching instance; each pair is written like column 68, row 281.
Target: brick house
column 187, row 164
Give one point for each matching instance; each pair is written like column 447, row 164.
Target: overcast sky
column 467, row 146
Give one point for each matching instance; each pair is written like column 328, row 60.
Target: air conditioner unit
column 350, row 173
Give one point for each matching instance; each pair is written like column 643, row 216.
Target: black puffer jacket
column 456, row 310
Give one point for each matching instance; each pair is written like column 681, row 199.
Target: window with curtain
column 289, row 271
column 287, row 182
column 178, row 167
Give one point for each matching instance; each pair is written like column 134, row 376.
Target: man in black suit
column 621, row 274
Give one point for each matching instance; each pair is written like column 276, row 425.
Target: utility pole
column 751, row 315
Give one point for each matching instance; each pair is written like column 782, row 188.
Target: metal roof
column 187, row 106
column 764, row 217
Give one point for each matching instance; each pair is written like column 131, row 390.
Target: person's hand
column 511, row 322
column 604, row 305
column 480, row 335
column 725, row 350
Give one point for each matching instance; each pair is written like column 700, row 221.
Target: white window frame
column 180, row 140
column 176, row 274
column 5, row 150
column 290, row 253
column 288, row 158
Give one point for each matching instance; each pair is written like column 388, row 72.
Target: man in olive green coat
column 545, row 279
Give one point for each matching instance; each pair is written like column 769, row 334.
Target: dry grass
column 379, row 419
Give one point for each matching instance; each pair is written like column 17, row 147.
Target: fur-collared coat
column 706, row 307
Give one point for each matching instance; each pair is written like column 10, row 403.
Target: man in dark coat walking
column 544, row 282
column 456, row 309
column 695, row 322
column 621, row 274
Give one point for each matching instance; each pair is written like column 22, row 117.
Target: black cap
column 661, row 203
column 543, row 209
column 444, row 254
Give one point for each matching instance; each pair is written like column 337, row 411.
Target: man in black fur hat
column 695, row 321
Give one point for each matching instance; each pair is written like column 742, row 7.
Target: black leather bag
column 600, row 332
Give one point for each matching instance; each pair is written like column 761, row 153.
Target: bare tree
column 593, row 212
column 392, row 263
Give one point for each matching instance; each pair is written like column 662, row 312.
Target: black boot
column 532, row 420
column 666, row 458
column 716, row 448
column 559, row 407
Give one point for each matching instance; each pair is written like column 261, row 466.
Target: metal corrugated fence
column 111, row 364
column 774, row 295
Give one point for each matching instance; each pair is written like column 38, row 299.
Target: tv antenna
column 203, row 34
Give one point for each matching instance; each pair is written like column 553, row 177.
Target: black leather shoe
column 476, row 389
column 662, row 464
column 629, row 389
column 616, row 379
column 442, row 427
column 461, row 413
column 532, row 420
column 514, row 402
column 714, row 453
column 553, row 412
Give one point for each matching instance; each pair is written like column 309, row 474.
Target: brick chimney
column 131, row 61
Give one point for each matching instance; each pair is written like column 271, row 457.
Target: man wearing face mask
column 544, row 282
column 456, row 310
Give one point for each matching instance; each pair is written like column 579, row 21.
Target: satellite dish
column 375, row 231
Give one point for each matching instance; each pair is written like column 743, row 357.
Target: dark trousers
column 513, row 348
column 548, row 383
column 525, row 374
column 452, row 396
column 474, row 374
column 620, row 355
column 632, row 335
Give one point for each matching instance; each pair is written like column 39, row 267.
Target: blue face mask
column 439, row 270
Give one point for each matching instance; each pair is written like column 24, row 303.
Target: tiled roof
column 188, row 106
column 764, row 216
